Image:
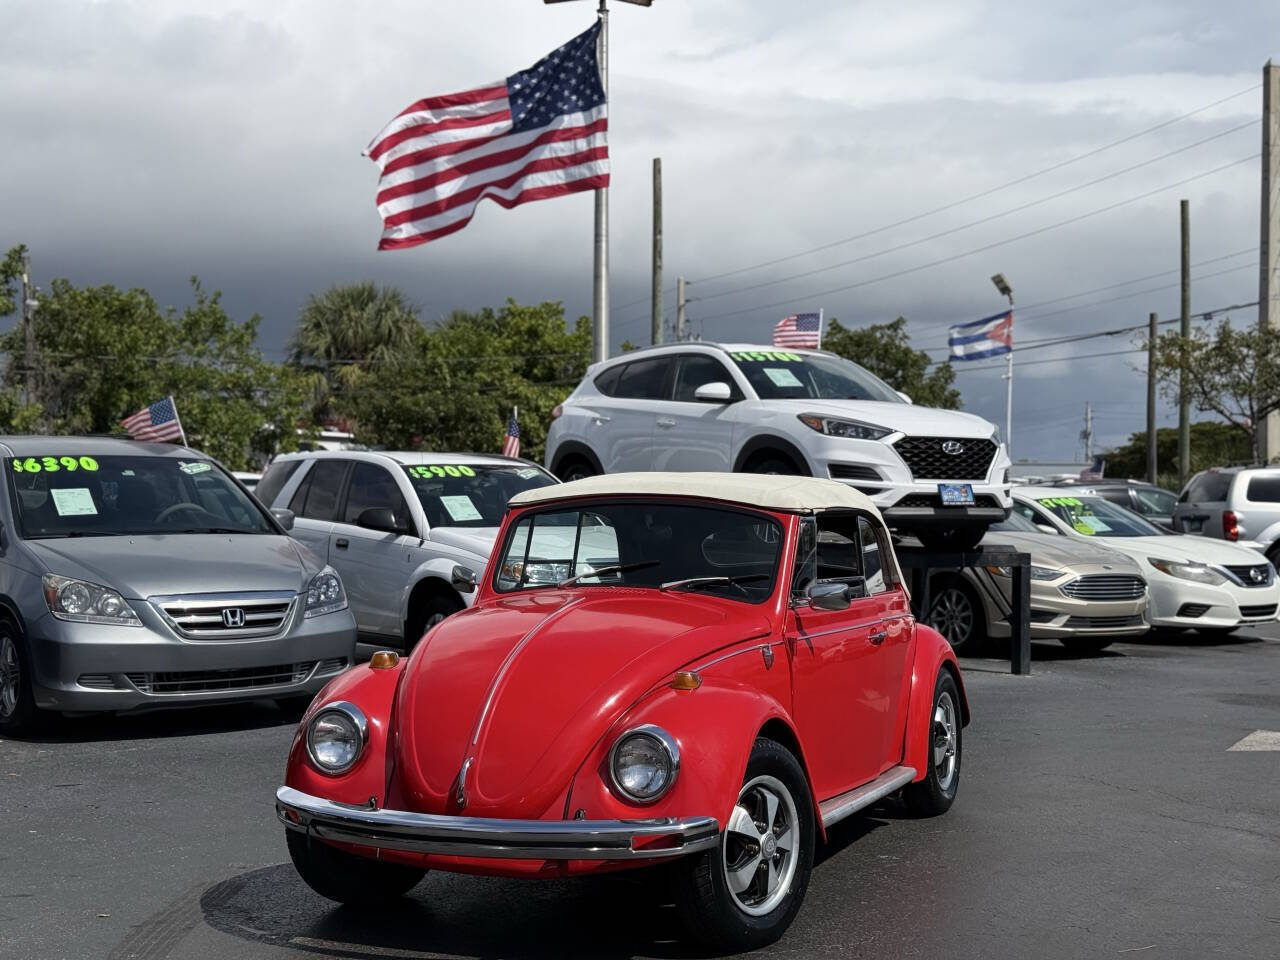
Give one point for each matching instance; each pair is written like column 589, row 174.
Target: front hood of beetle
column 524, row 687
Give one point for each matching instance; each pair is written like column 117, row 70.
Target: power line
column 975, row 223
column 978, row 196
column 982, row 249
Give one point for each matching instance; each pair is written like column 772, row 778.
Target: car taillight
column 556, row 411
column 1230, row 526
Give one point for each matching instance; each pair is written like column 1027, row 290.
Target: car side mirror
column 1045, row 527
column 379, row 518
column 464, row 579
column 905, row 398
column 718, row 392
column 284, row 516
column 830, row 596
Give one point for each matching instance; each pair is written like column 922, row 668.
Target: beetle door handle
column 342, row 543
column 666, row 422
column 879, row 638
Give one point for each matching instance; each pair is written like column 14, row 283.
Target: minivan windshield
column 780, row 375
column 64, row 495
column 1095, row 517
column 674, row 547
column 471, row 495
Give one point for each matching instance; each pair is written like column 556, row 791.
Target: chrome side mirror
column 830, row 596
column 463, row 579
column 284, row 515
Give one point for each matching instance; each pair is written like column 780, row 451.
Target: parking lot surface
column 1101, row 813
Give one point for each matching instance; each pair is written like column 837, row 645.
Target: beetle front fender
column 374, row 693
column 932, row 653
column 715, row 727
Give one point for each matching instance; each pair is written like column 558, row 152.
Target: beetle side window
column 872, row 560
column 806, row 571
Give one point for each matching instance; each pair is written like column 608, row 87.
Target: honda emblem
column 953, row 447
column 232, row 617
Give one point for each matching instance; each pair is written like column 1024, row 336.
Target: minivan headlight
column 849, row 429
column 644, row 763
column 336, row 737
column 85, row 602
column 1195, row 572
column 325, row 593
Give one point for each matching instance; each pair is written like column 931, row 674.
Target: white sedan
column 1193, row 582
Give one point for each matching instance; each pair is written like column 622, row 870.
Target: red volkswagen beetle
column 710, row 669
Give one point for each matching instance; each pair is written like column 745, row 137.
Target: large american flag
column 798, row 330
column 156, row 422
column 511, row 445
column 541, row 133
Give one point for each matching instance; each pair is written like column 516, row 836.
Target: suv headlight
column 86, row 602
column 850, row 429
column 1037, row 572
column 325, row 593
column 644, row 763
column 1196, row 572
column 336, row 737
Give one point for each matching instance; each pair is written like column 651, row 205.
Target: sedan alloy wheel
column 953, row 616
column 10, row 677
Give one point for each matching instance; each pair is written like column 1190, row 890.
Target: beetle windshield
column 471, row 495
column 779, row 375
column 61, row 495
column 653, row 543
column 1095, row 517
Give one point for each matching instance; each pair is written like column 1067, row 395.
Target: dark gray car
column 139, row 574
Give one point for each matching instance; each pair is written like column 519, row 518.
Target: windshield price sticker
column 75, row 502
column 460, row 508
column 441, row 470
column 767, row 356
column 52, row 464
column 782, row 377
column 199, row 466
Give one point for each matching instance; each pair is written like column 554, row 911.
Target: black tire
column 18, row 710
column 344, row 877
column 1086, row 644
column 437, row 606
column 772, row 463
column 937, row 791
column 959, row 539
column 710, row 909
column 575, row 468
column 952, row 604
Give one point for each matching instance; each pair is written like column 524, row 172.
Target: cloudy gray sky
column 145, row 141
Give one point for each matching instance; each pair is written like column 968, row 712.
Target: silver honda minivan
column 135, row 575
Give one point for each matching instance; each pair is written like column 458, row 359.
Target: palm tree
column 349, row 329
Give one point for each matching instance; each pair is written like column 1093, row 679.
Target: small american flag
column 156, row 422
column 511, row 445
column 798, row 330
column 540, row 133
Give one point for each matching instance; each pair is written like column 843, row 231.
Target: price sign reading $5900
column 52, row 464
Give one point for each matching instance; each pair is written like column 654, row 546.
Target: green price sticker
column 441, row 470
column 52, row 464
column 767, row 356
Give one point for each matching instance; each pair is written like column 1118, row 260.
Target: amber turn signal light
column 686, row 680
column 384, row 660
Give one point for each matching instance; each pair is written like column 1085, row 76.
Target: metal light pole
column 1007, row 291
column 600, row 270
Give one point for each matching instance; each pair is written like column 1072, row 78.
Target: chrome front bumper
column 490, row 838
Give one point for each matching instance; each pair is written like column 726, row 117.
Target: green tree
column 1233, row 374
column 10, row 274
column 885, row 350
column 103, row 353
column 1213, row 444
column 455, row 388
column 346, row 331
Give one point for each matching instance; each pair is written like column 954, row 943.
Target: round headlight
column 75, row 597
column 335, row 737
column 110, row 604
column 644, row 763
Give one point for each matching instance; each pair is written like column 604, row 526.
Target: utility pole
column 1152, row 463
column 1269, row 247
column 28, row 334
column 656, row 319
column 680, row 302
column 1184, row 398
column 1087, row 433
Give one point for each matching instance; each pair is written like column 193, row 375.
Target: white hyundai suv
column 940, row 475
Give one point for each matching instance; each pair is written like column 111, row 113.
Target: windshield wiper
column 213, row 530
column 697, row 583
column 612, row 568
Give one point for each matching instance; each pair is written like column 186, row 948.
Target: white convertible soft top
column 769, row 491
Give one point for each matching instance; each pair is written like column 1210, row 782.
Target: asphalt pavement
column 1101, row 813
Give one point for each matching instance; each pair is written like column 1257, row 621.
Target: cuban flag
column 989, row 337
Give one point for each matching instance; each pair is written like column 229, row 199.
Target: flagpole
column 1008, row 404
column 181, row 429
column 600, row 279
column 820, row 328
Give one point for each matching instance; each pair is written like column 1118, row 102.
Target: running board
column 837, row 808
